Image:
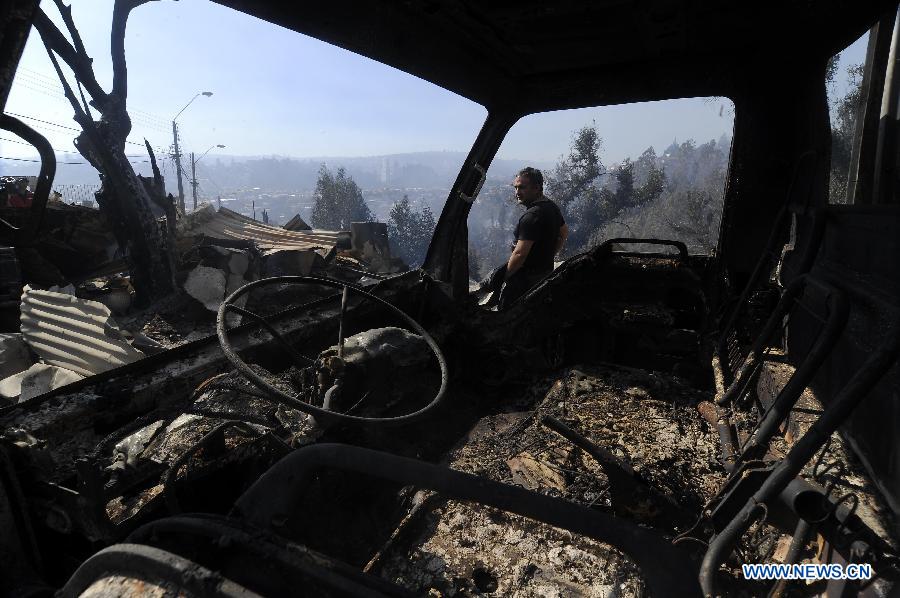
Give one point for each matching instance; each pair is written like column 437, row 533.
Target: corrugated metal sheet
column 73, row 333
column 226, row 224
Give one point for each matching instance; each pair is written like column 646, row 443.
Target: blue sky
column 277, row 92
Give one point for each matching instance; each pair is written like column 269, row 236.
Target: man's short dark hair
column 534, row 176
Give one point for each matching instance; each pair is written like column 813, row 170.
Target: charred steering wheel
column 322, row 416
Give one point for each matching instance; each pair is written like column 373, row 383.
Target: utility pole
column 178, row 168
column 178, row 152
column 194, row 182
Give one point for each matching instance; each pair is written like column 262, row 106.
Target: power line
column 51, row 83
column 60, row 126
column 30, row 160
column 59, row 151
column 135, row 116
column 46, row 122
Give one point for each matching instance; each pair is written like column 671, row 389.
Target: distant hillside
column 228, row 173
column 405, row 171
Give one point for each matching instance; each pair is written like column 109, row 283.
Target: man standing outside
column 540, row 234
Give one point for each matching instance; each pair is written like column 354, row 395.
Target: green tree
column 624, row 194
column 650, row 176
column 338, row 201
column 576, row 176
column 695, row 221
column 575, row 184
column 410, row 231
column 685, row 206
column 843, row 127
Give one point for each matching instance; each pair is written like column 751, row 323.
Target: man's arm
column 561, row 239
column 517, row 258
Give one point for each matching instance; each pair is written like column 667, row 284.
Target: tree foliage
column 588, row 198
column 676, row 195
column 338, row 201
column 575, row 177
column 843, row 126
column 410, row 231
column 680, row 197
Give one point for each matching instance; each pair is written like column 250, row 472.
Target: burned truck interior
column 644, row 420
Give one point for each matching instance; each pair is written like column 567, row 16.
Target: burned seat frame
column 728, row 354
column 271, row 502
column 766, row 488
column 252, row 534
column 774, row 415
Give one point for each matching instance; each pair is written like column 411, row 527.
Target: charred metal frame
column 200, row 537
column 140, row 564
column 728, row 353
column 23, row 236
column 805, row 449
column 270, row 503
column 833, row 325
column 753, row 200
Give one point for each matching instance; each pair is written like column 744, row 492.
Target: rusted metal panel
column 229, row 225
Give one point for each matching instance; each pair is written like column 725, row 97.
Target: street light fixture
column 207, row 151
column 202, row 93
column 194, row 182
column 178, row 153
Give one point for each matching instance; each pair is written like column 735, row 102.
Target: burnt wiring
column 218, row 432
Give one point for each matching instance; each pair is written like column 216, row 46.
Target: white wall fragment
column 206, row 285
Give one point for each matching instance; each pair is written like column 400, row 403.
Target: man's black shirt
column 540, row 223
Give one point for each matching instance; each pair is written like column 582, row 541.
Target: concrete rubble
column 14, row 354
column 35, row 381
column 206, row 285
column 220, row 272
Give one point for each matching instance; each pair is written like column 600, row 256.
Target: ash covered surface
column 470, row 550
column 648, row 421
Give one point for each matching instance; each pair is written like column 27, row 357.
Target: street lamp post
column 178, row 153
column 194, row 182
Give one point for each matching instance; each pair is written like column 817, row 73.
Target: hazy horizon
column 290, row 96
